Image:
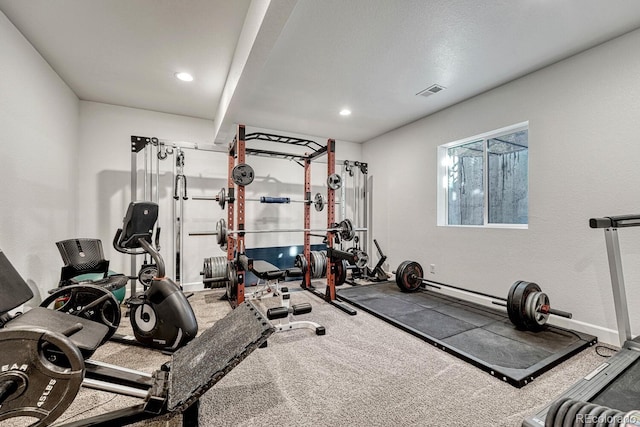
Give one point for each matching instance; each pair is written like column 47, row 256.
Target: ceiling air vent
column 431, row 90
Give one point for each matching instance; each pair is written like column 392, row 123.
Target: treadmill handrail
column 618, row 221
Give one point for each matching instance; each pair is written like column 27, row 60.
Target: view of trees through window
column 488, row 180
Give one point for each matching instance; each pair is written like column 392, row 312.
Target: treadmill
column 614, row 384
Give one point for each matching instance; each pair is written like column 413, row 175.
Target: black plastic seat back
column 138, row 222
column 82, row 256
column 13, row 288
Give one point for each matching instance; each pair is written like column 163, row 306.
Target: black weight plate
column 48, row 370
column 221, row 232
column 570, row 417
column 534, row 319
column 510, row 309
column 222, row 198
column 561, row 413
column 409, row 276
column 528, row 317
column 301, row 263
column 206, row 269
column 584, row 411
column 318, row 202
column 553, row 410
column 77, row 300
column 340, row 272
column 147, row 273
column 517, row 302
column 593, row 415
column 232, row 283
column 399, row 272
column 334, row 181
column 242, row 174
column 606, row 417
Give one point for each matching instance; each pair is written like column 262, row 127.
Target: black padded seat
column 86, row 339
column 267, row 271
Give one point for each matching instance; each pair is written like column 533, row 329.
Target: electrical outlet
column 432, row 269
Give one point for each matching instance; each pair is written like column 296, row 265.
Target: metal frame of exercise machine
column 153, row 148
column 608, row 373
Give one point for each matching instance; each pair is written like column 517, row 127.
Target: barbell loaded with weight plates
column 221, row 197
column 527, row 306
column 344, row 229
column 319, row 266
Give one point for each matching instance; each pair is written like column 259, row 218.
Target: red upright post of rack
column 240, row 148
column 330, row 293
column 306, row 281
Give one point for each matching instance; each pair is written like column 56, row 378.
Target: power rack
column 237, row 153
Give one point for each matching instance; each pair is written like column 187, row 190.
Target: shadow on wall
column 34, row 215
column 113, row 196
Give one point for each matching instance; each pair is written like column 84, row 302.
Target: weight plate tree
column 527, row 306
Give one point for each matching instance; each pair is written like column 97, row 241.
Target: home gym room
column 334, row 221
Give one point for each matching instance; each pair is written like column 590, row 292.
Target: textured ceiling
column 293, row 65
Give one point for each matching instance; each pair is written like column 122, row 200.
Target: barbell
column 344, row 229
column 527, row 306
column 318, row 201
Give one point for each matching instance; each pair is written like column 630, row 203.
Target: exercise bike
column 161, row 317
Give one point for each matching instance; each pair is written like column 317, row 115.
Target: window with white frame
column 484, row 180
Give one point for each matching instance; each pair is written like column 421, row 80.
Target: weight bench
column 42, row 369
column 284, row 312
column 267, row 272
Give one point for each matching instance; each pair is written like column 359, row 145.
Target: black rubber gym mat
column 480, row 335
column 196, row 367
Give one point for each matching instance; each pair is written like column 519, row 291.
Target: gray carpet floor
column 363, row 372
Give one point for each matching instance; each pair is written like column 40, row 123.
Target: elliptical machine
column 161, row 316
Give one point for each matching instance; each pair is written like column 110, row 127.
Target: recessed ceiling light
column 185, row 77
column 345, row 112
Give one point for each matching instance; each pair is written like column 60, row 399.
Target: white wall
column 39, row 139
column 583, row 162
column 105, row 164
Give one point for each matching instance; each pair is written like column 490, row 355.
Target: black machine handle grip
column 618, row 221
